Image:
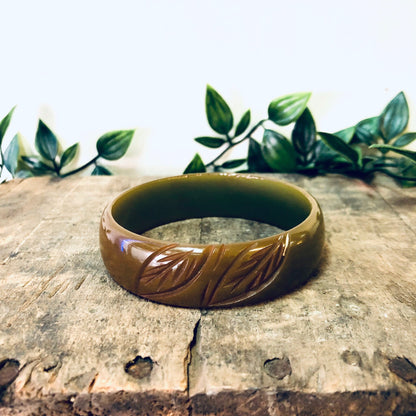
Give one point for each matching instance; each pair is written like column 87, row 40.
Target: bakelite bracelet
column 214, row 275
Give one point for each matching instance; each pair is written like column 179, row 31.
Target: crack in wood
column 43, row 286
column 190, row 356
column 81, row 281
column 25, row 373
column 92, row 382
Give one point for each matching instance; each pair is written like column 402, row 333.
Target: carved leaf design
column 248, row 272
column 167, row 272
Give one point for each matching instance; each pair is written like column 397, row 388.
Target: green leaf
column 255, row 159
column 324, row 154
column 36, row 165
column 394, row 118
column 100, row 170
column 23, row 174
column 364, row 136
column 346, row 134
column 367, row 131
column 304, row 133
column 404, row 140
column 46, row 142
column 407, row 153
column 113, row 145
column 407, row 169
column 11, row 155
column 4, row 124
column 219, row 115
column 243, row 123
column 359, row 151
column 213, row 142
column 69, row 154
column 196, row 165
column 344, row 149
column 286, row 109
column 278, row 152
column 232, row 164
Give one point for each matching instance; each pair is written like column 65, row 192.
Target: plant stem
column 84, row 166
column 393, row 175
column 385, row 165
column 231, row 144
column 2, row 161
column 56, row 167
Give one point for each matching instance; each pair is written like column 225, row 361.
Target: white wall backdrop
column 89, row 66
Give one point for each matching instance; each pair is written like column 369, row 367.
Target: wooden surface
column 73, row 342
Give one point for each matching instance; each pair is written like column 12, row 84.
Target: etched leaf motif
column 248, row 272
column 169, row 272
column 164, row 273
column 161, row 270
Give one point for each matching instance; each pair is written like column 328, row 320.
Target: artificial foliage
column 52, row 159
column 376, row 144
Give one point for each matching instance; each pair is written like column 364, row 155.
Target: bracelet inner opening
column 161, row 202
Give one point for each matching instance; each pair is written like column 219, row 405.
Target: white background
column 87, row 67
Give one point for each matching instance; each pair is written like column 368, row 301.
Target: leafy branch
column 52, row 159
column 8, row 158
column 360, row 150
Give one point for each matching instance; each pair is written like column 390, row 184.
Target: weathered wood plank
column 401, row 200
column 70, row 327
column 23, row 205
column 339, row 332
column 7, row 187
column 85, row 346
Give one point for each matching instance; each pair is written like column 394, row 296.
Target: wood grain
column 73, row 342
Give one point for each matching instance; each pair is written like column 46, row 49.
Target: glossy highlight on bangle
column 212, row 275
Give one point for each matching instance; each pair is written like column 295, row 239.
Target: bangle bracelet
column 215, row 275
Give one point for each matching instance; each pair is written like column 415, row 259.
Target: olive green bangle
column 214, row 275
